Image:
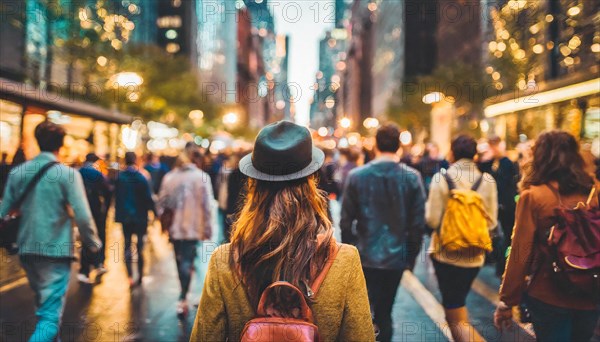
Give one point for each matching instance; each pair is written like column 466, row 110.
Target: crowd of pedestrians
column 279, row 258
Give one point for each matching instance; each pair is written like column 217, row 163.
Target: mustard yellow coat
column 341, row 307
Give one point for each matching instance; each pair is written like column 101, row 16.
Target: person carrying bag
column 9, row 224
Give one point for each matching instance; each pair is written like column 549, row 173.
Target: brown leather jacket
column 535, row 211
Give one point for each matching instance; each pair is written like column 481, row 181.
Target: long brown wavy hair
column 556, row 157
column 275, row 234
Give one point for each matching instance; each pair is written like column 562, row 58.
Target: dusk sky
column 306, row 26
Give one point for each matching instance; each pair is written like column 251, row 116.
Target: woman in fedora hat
column 283, row 233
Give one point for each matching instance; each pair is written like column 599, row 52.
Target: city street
column 471, row 126
column 111, row 312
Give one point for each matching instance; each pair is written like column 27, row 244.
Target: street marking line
column 14, row 284
column 426, row 300
column 493, row 297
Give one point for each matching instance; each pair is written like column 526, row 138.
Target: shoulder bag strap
column 334, row 248
column 449, row 181
column 32, row 183
column 591, row 196
column 477, row 183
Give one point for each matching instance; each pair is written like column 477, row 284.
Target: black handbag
column 9, row 224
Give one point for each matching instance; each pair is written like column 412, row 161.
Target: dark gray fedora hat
column 283, row 151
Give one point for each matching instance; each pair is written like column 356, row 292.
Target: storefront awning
column 533, row 100
column 27, row 95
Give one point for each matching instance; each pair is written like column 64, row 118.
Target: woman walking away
column 462, row 206
column 282, row 241
column 133, row 200
column 554, row 184
column 186, row 195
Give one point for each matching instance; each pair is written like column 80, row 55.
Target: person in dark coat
column 4, row 171
column 236, row 193
column 157, row 170
column 98, row 191
column 506, row 175
column 133, row 200
column 430, row 164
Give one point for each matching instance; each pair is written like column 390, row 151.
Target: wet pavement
column 109, row 311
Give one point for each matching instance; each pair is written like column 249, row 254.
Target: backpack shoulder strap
column 451, row 184
column 477, row 183
column 32, row 183
column 334, row 248
column 591, row 196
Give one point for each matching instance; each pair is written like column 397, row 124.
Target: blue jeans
column 49, row 280
column 185, row 255
column 552, row 323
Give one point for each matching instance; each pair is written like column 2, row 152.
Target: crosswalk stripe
column 426, row 300
column 14, row 284
column 492, row 296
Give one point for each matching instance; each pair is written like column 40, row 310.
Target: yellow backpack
column 465, row 222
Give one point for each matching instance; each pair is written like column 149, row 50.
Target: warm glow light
column 323, row 131
column 595, row 47
column 552, row 96
column 124, row 79
column 406, row 138
column 538, row 48
column 433, row 97
column 129, row 138
column 573, row 11
column 371, row 123
column 196, row 114
column 345, row 123
column 230, row 119
column 101, row 60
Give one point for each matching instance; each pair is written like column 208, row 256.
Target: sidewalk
column 111, row 312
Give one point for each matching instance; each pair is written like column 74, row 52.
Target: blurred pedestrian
column 156, row 169
column 133, row 200
column 187, row 193
column 456, row 269
column 386, row 200
column 430, row 164
column 351, row 156
column 506, row 175
column 98, row 191
column 45, row 237
column 327, row 181
column 19, row 157
column 557, row 179
column 283, row 234
column 4, row 171
column 231, row 192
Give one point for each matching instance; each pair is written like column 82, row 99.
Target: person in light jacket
column 457, row 270
column 45, row 239
column 187, row 191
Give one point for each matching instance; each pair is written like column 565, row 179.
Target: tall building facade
column 543, row 71
column 44, row 49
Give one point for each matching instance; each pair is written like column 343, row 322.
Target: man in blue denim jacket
column 386, row 200
column 45, row 239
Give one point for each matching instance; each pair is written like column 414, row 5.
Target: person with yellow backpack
column 461, row 208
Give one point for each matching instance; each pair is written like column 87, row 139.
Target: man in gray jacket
column 45, row 237
column 386, row 200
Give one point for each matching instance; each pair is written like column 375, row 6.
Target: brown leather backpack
column 272, row 325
